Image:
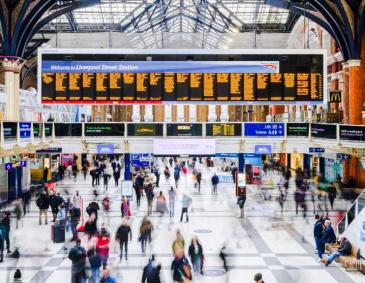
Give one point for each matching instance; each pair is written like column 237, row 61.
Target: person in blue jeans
column 318, row 233
column 95, row 264
column 345, row 249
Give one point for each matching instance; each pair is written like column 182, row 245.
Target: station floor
column 280, row 247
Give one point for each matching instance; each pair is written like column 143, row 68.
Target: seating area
column 350, row 263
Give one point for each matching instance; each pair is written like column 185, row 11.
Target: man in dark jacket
column 26, row 197
column 345, row 249
column 77, row 255
column 43, row 205
column 122, row 234
column 151, row 272
column 5, row 223
column 318, row 233
column 215, row 181
column 55, row 202
column 329, row 235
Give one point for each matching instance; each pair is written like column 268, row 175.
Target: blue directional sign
column 23, row 163
column 263, row 149
column 25, row 130
column 8, row 166
column 342, row 156
column 105, row 149
column 227, row 155
column 264, row 129
column 316, row 150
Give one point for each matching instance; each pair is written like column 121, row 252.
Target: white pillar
column 224, row 113
column 212, row 115
column 180, row 113
column 168, row 113
column 11, row 68
column 148, row 113
column 136, row 114
column 192, row 113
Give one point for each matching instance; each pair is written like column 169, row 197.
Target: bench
column 350, row 263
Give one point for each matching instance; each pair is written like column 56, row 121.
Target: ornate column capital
column 354, row 63
column 11, row 64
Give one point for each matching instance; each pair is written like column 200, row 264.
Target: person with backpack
column 122, row 234
column 151, row 272
column 180, row 268
column 43, row 205
column 77, row 255
column 95, row 264
column 55, row 201
column 186, row 202
column 116, row 175
column 145, row 233
column 215, row 181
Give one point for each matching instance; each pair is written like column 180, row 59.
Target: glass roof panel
column 177, row 15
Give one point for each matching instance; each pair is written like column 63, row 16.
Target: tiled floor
column 264, row 242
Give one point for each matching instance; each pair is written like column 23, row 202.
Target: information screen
column 104, row 78
column 187, row 130
column 104, row 129
column 326, row 131
column 145, row 130
column 10, row 130
column 48, row 128
column 223, row 130
column 37, row 130
column 352, row 133
column 68, row 129
column 297, row 129
column 264, row 129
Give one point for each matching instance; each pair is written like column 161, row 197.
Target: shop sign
column 335, row 96
column 342, row 156
column 23, row 163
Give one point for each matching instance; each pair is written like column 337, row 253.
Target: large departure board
column 283, row 76
column 104, row 129
column 223, row 130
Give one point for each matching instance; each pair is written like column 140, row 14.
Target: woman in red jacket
column 102, row 245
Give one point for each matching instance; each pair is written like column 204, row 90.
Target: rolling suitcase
column 58, row 233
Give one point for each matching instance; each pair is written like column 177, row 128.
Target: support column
column 11, row 68
column 224, row 117
column 127, row 166
column 346, row 93
column 356, row 91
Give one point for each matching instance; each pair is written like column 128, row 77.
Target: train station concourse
column 180, row 141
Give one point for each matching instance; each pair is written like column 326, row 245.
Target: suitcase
column 58, row 233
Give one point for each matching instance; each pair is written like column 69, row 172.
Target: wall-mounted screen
column 184, row 130
column 145, row 130
column 68, row 129
column 352, row 133
column 297, row 129
column 326, row 131
column 104, row 129
column 223, row 130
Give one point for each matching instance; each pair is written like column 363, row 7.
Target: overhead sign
column 50, row 150
column 105, row 149
column 23, row 163
column 342, row 156
column 316, row 150
column 25, row 130
column 187, row 130
column 190, row 147
column 297, row 129
column 8, row 166
column 10, row 130
column 335, row 96
column 264, row 129
column 223, row 130
column 104, row 129
column 352, row 133
column 227, row 155
column 327, row 131
column 262, row 149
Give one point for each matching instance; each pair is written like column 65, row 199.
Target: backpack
column 150, row 272
column 39, row 202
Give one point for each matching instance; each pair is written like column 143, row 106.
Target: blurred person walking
column 196, row 255
column 172, row 197
column 145, row 233
column 121, row 235
column 186, row 202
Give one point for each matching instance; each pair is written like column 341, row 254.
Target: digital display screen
column 37, row 130
column 104, row 129
column 326, row 131
column 166, row 78
column 48, row 128
column 68, row 129
column 264, row 129
column 297, row 129
column 352, row 133
column 223, row 130
column 145, row 130
column 10, row 130
column 188, row 130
